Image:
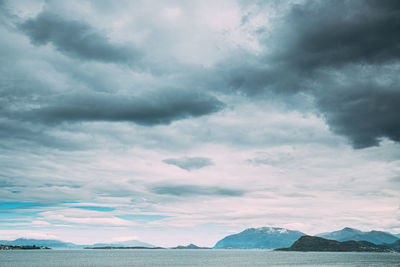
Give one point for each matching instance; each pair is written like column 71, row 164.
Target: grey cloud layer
column 335, row 51
column 195, row 190
column 75, row 38
column 160, row 108
column 31, row 105
column 339, row 33
column 189, row 164
column 335, row 33
column 314, row 47
column 365, row 112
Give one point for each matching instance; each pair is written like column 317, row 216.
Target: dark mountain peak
column 314, row 243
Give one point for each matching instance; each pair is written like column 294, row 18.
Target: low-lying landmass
column 60, row 244
column 9, row 247
column 315, row 243
column 128, row 243
column 395, row 245
column 38, row 243
column 111, row 247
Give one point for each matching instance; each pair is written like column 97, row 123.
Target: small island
column 10, row 247
column 314, row 243
column 191, row 246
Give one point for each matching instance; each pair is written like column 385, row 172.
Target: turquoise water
column 74, row 258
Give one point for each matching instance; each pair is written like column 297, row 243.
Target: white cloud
column 173, row 12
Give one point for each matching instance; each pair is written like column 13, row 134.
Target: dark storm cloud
column 364, row 113
column 160, row 108
column 333, row 33
column 338, row 33
column 195, row 190
column 75, row 39
column 189, row 164
column 315, row 41
column 321, row 43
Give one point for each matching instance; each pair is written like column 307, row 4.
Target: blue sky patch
column 18, row 205
column 12, row 215
column 96, row 208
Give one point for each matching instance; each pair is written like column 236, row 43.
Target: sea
column 170, row 257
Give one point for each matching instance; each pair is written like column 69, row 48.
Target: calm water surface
column 75, row 258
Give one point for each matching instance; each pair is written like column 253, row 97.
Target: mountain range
column 346, row 234
column 264, row 237
column 269, row 237
column 251, row 238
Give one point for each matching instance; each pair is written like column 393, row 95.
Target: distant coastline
column 273, row 238
column 9, row 247
column 111, row 247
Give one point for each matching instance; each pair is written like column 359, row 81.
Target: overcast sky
column 177, row 122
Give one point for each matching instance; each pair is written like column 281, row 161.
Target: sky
column 177, row 122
